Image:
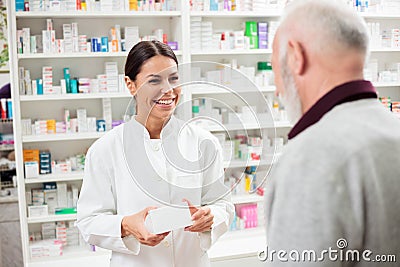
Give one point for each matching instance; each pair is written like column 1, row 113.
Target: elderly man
column 335, row 193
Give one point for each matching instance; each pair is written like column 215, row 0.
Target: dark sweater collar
column 347, row 92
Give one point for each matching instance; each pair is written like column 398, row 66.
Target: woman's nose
column 166, row 87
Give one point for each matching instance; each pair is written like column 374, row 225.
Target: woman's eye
column 154, row 81
column 173, row 79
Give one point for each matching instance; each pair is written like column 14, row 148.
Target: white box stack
column 46, row 248
column 195, row 33
column 131, row 37
column 62, row 195
column 107, row 113
column 206, row 35
column 48, row 230
column 111, row 70
column 47, row 76
column 61, row 232
column 82, row 120
column 67, row 35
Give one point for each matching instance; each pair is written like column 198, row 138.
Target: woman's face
column 156, row 87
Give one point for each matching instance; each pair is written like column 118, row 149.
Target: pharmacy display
column 54, row 41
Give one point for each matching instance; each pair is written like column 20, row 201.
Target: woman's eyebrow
column 154, row 75
column 159, row 76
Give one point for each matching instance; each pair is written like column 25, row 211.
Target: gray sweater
column 338, row 179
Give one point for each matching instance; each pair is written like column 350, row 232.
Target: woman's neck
column 153, row 125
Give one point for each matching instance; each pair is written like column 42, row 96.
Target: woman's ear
column 130, row 85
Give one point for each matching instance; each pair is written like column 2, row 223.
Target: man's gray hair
column 332, row 25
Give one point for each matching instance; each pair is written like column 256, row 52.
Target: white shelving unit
column 213, row 90
column 238, row 244
column 52, row 218
column 233, row 52
column 384, row 49
column 176, row 23
column 61, row 137
column 28, row 98
column 248, row 126
column 98, row 258
column 51, row 106
column 237, row 14
column 248, row 198
column 381, row 85
column 80, row 55
column 268, row 159
column 73, row 176
column 97, row 15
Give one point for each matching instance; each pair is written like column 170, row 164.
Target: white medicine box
column 168, row 218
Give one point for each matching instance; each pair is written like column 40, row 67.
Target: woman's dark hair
column 143, row 51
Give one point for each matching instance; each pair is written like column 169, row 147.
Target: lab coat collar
column 165, row 132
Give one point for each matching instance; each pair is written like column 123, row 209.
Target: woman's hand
column 134, row 225
column 201, row 217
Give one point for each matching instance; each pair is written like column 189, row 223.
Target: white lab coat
column 126, row 171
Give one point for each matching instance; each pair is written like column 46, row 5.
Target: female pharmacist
column 144, row 164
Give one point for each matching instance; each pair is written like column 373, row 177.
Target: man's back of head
column 319, row 44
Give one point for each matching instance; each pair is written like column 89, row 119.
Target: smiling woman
column 152, row 161
column 151, row 75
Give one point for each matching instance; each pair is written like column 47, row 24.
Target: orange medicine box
column 31, row 155
column 51, row 126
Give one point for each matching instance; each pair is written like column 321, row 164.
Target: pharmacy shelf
column 244, row 163
column 268, row 89
column 237, row 14
column 79, row 55
column 379, row 16
column 75, row 256
column 6, row 147
column 73, row 176
column 248, row 198
column 268, row 160
column 273, row 14
column 8, row 199
column 214, row 90
column 73, row 96
column 249, row 126
column 384, row 49
column 7, row 169
column 242, row 243
column 72, row 55
column 61, row 137
column 232, row 52
column 95, row 15
column 380, row 84
column 204, row 90
column 52, row 218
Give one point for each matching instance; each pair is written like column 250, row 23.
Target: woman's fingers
column 152, row 239
column 203, row 223
column 192, row 208
column 200, row 213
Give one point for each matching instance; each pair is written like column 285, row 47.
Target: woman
column 152, row 161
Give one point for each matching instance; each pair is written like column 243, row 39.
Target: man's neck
column 324, row 86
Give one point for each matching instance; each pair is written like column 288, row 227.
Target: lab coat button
column 156, row 148
column 166, row 243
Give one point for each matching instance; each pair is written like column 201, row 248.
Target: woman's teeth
column 165, row 102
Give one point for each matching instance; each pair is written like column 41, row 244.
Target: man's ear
column 296, row 57
column 130, row 85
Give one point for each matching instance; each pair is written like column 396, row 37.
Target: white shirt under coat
column 117, row 184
